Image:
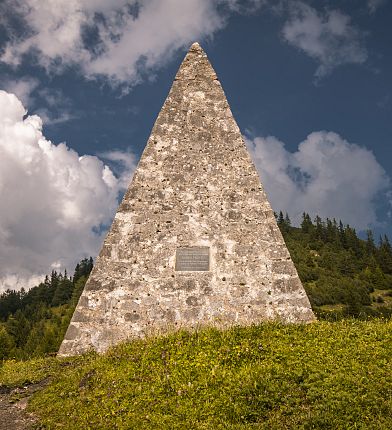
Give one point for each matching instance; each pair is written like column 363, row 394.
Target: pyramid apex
column 196, row 47
column 195, row 65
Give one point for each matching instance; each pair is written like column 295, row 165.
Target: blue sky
column 309, row 83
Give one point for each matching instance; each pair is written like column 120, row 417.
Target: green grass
column 317, row 376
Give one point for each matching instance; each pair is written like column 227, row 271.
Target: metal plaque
column 193, row 259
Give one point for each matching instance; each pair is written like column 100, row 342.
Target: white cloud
column 54, row 97
column 373, row 5
column 22, row 88
column 327, row 176
column 246, row 6
column 58, row 116
column 120, row 40
column 329, row 37
column 126, row 41
column 59, row 107
column 53, row 201
column 123, row 164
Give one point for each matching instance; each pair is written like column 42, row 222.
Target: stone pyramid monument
column 194, row 241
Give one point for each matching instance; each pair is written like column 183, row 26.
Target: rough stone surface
column 195, row 186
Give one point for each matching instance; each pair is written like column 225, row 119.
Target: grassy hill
column 332, row 374
column 325, row 375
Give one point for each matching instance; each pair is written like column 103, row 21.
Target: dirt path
column 13, row 416
column 13, row 403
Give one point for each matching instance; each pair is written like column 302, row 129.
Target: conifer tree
column 306, row 224
column 370, row 245
column 384, row 255
column 287, row 221
column 342, row 237
column 280, row 218
column 319, row 230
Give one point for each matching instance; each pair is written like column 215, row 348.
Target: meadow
column 324, row 375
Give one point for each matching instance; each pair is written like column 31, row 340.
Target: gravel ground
column 13, row 403
column 13, row 416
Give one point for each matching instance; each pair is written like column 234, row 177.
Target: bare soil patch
column 13, row 403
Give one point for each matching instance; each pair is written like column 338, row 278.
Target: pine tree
column 370, row 245
column 319, row 230
column 287, row 221
column 306, row 224
column 384, row 255
column 353, row 242
column 10, row 302
column 342, row 236
column 280, row 219
column 63, row 292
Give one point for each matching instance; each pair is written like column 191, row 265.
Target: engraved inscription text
column 193, row 259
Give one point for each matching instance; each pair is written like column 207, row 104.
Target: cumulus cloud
column 329, row 37
column 53, row 201
column 123, row 164
column 22, row 88
column 59, row 107
column 327, row 176
column 120, row 40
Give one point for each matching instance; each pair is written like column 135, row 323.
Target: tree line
column 343, row 275
column 33, row 322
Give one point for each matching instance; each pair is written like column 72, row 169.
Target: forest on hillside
column 33, row 322
column 343, row 275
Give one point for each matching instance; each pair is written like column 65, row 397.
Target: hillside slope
column 343, row 276
column 323, row 375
